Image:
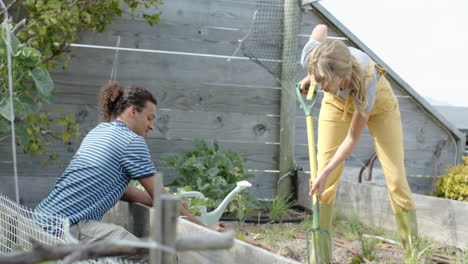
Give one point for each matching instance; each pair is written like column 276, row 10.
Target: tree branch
column 101, row 249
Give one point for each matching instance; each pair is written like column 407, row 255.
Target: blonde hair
column 332, row 58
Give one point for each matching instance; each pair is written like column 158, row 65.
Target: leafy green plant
column 40, row 41
column 454, row 184
column 32, row 88
column 280, row 206
column 213, row 171
column 243, row 206
column 50, row 25
column 194, row 203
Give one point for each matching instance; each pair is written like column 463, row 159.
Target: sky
column 424, row 41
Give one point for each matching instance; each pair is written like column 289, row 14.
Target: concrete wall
column 440, row 219
column 236, row 102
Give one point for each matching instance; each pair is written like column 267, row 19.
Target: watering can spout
column 212, row 217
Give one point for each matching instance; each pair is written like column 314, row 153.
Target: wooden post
column 156, row 231
column 288, row 100
column 170, row 212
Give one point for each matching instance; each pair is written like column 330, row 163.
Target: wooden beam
column 288, row 98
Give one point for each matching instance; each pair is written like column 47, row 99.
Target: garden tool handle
column 306, row 107
column 311, row 143
column 310, row 128
column 317, row 210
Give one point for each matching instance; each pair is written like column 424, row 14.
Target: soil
column 288, row 240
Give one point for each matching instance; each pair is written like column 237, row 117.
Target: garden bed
column 352, row 241
column 442, row 220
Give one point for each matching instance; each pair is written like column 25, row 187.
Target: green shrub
column 213, row 171
column 454, row 184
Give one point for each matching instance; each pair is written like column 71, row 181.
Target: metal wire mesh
column 267, row 43
column 17, row 227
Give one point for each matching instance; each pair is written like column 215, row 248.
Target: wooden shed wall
column 236, row 102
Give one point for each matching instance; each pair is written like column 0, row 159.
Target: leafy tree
column 50, row 25
column 40, row 41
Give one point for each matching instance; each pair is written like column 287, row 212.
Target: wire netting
column 17, row 227
column 272, row 41
column 20, row 225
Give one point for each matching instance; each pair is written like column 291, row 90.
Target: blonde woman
column 356, row 94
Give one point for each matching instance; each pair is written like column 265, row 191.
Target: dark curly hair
column 114, row 99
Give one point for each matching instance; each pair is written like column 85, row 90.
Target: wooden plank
column 32, row 189
column 204, row 39
column 176, row 95
column 213, row 12
column 222, row 126
column 176, row 124
column 137, row 66
column 257, row 156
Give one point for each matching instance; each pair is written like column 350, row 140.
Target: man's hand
column 184, row 204
column 219, row 227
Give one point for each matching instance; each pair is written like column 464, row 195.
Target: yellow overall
column 384, row 125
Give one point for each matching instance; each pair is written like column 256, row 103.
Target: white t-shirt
column 363, row 60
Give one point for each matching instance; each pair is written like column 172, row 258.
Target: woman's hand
column 305, row 83
column 318, row 185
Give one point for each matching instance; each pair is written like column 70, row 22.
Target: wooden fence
column 236, row 102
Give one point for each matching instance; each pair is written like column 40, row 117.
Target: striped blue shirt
column 109, row 157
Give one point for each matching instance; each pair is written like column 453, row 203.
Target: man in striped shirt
column 110, row 156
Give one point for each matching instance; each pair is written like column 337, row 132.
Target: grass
column 307, row 222
column 275, row 232
column 280, row 206
column 461, row 257
column 420, row 251
column 352, row 229
column 269, row 234
column 368, row 247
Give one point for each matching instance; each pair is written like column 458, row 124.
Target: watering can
column 211, row 218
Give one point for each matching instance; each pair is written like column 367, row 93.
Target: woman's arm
column 319, row 33
column 358, row 123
